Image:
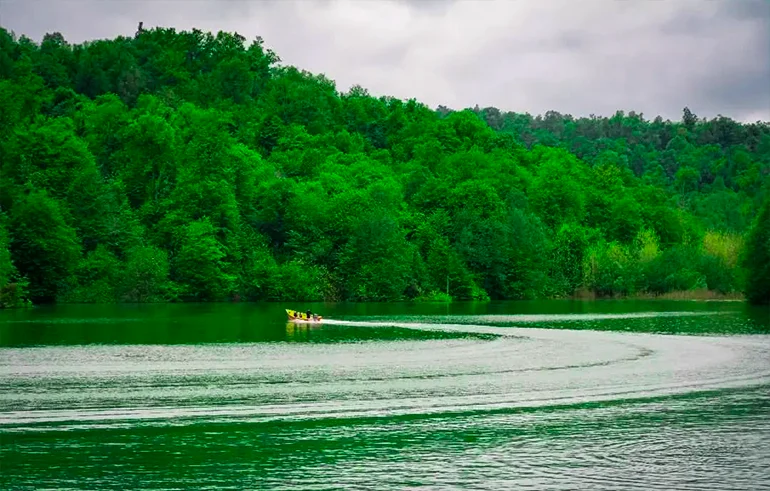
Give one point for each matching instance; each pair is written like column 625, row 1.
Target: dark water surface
column 509, row 395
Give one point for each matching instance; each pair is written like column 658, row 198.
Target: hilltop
column 189, row 166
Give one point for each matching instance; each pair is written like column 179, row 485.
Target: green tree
column 145, row 277
column 199, row 268
column 45, row 249
column 188, row 165
column 757, row 258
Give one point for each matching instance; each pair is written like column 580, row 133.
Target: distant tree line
column 188, row 166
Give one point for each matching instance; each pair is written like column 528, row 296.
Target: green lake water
column 555, row 395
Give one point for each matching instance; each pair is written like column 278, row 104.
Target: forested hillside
column 187, row 166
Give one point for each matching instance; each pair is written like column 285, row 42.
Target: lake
column 552, row 395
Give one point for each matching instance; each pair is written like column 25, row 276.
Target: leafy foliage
column 191, row 166
column 757, row 258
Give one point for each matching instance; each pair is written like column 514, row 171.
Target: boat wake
column 463, row 402
column 52, row 388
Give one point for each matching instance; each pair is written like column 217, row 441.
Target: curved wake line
column 528, row 318
column 521, row 368
column 506, row 331
column 66, row 420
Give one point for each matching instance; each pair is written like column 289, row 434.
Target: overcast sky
column 577, row 57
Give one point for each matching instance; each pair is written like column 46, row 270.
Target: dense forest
column 188, row 166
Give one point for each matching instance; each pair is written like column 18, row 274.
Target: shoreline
column 582, row 296
column 689, row 295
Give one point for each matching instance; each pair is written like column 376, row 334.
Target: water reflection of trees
column 299, row 332
column 758, row 318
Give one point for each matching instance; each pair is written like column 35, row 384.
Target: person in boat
column 309, row 315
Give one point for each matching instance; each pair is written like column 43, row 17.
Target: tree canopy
column 192, row 166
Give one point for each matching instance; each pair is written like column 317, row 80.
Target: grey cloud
column 430, row 6
column 570, row 40
column 747, row 9
column 685, row 56
column 587, row 57
column 739, row 91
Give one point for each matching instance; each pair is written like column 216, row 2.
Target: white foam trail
column 78, row 386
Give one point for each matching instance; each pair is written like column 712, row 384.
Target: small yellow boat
column 297, row 316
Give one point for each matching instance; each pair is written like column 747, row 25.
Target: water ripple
column 524, row 408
